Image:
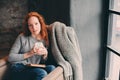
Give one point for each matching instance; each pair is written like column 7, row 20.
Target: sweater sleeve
column 14, row 55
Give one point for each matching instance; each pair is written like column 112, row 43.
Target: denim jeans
column 22, row 72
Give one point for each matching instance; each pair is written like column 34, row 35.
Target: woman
column 27, row 50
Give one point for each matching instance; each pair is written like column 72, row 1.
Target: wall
column 52, row 10
column 12, row 13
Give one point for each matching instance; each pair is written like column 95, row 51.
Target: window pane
column 114, row 75
column 115, row 5
column 115, row 41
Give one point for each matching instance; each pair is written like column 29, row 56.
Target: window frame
column 111, row 51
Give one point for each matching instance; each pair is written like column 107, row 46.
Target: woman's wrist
column 29, row 54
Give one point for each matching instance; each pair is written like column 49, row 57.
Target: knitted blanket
column 66, row 50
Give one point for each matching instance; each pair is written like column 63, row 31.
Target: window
column 113, row 44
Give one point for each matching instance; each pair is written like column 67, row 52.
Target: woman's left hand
column 41, row 50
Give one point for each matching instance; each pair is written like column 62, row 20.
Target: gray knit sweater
column 22, row 45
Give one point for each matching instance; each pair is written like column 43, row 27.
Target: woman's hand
column 39, row 49
column 29, row 54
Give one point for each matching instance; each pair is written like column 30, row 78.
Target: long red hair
column 43, row 31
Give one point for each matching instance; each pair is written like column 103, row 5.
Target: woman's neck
column 38, row 37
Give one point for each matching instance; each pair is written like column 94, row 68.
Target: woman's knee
column 50, row 68
column 39, row 71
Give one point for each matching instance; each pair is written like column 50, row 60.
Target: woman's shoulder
column 22, row 36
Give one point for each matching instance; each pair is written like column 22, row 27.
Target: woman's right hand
column 29, row 54
column 32, row 51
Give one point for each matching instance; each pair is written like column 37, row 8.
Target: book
column 37, row 65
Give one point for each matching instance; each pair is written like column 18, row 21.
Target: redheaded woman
column 30, row 47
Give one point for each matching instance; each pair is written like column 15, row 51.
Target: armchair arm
column 3, row 67
column 3, row 61
column 56, row 74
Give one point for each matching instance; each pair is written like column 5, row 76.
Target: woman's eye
column 30, row 25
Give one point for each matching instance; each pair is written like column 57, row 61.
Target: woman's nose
column 34, row 27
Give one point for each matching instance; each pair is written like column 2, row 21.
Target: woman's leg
column 22, row 72
column 18, row 72
column 39, row 73
column 49, row 68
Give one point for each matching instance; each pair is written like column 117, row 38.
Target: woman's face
column 34, row 25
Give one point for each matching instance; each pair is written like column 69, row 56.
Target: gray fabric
column 66, row 50
column 22, row 45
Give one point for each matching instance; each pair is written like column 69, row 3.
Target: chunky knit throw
column 66, row 50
